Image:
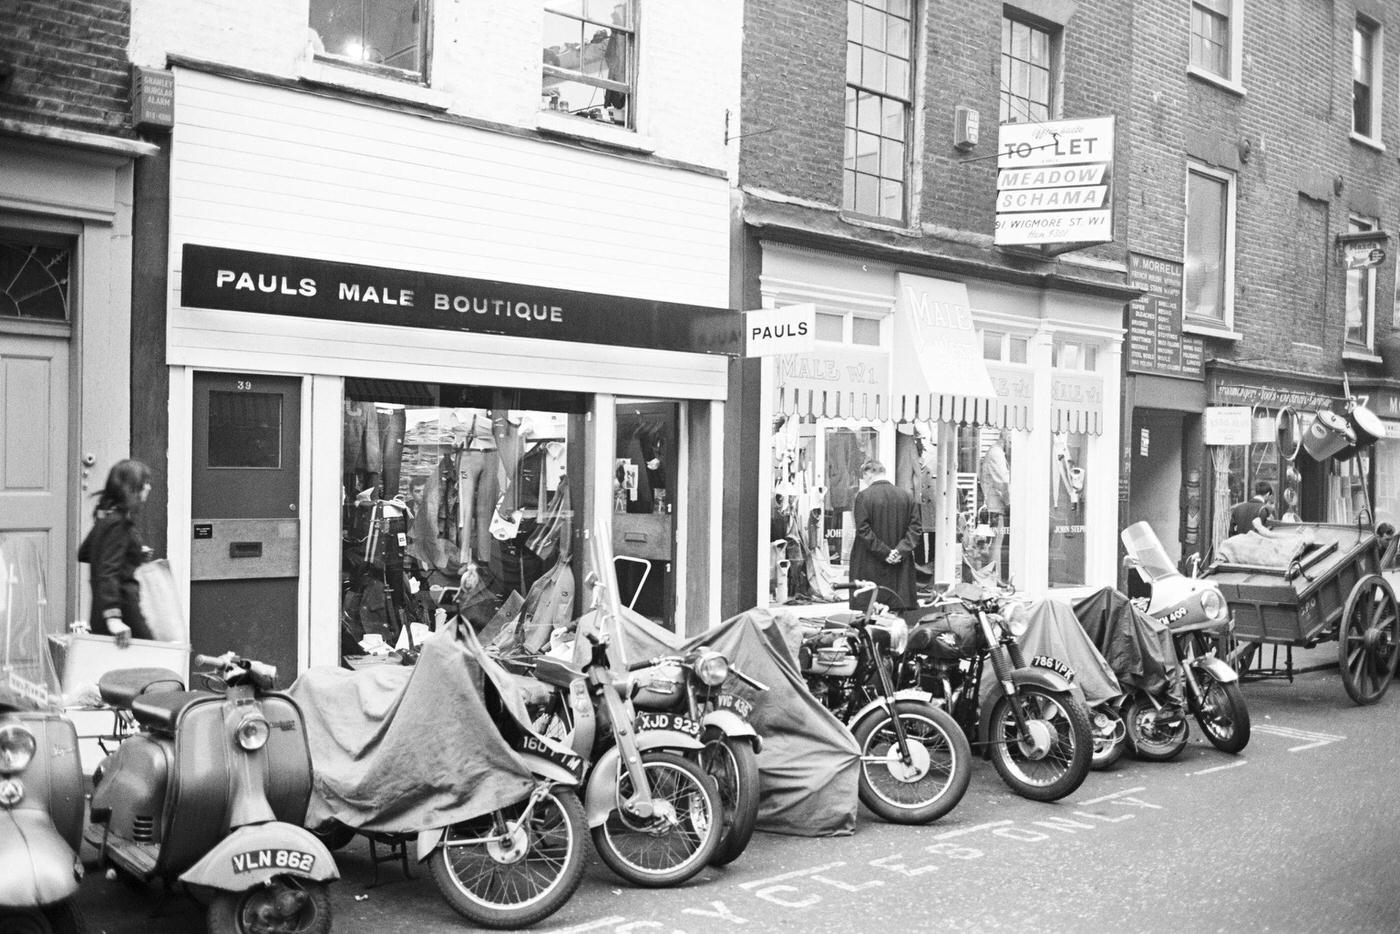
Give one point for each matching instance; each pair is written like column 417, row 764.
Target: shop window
column 34, row 279
column 1208, row 276
column 590, row 59
column 460, row 500
column 1360, row 295
column 1215, row 38
column 384, row 35
column 1386, row 470
column 1069, row 477
column 1008, row 348
column 1028, row 53
column 984, row 503
column 1074, row 355
column 879, row 97
column 1366, row 79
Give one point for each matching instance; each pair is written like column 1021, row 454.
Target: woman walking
column 114, row 551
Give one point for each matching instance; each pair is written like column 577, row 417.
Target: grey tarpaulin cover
column 1137, row 647
column 809, row 762
column 1054, row 630
column 399, row 749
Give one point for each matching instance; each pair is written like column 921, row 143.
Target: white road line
column 1116, row 794
column 1220, row 768
column 967, row 830
column 592, row 925
column 1288, row 732
column 791, row 875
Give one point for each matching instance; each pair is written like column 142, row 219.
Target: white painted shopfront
column 268, row 175
column 1034, row 461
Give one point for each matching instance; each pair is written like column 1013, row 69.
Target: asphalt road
column 1299, row 833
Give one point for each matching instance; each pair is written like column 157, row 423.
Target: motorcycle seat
column 555, row 671
column 161, row 711
column 120, row 687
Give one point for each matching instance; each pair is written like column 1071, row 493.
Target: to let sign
column 786, row 330
column 1228, row 425
column 1054, row 182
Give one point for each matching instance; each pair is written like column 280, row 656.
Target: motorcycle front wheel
column 677, row 840
column 502, row 870
column 929, row 785
column 733, row 765
column 1149, row 739
column 286, row 905
column 1053, row 757
column 1221, row 712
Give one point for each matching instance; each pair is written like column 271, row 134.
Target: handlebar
column 686, row 659
column 261, row 673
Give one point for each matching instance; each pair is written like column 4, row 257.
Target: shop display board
column 1156, row 343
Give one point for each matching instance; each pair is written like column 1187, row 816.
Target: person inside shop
column 114, row 550
column 1254, row 512
column 886, row 531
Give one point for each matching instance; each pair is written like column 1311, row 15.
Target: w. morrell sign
column 1054, row 182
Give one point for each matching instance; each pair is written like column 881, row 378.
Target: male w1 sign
column 772, row 331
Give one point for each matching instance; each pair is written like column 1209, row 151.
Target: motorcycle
column 915, row 762
column 1202, row 628
column 692, row 685
column 654, row 814
column 504, row 866
column 1032, row 723
column 212, row 791
column 41, row 781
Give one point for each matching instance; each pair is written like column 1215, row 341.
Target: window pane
column 340, row 27
column 868, row 153
column 850, row 152
column 897, row 76
column 848, row 188
column 1020, row 346
column 387, row 33
column 991, row 344
column 899, row 8
column 868, row 113
column 868, row 195
column 873, row 74
column 892, row 160
column 892, row 124
column 897, row 36
column 851, row 97
column 1020, row 41
column 852, row 63
column 865, row 331
column 873, row 32
column 829, row 327
column 853, row 21
column 245, row 429
column 892, row 199
column 1205, row 247
column 594, row 43
column 34, row 281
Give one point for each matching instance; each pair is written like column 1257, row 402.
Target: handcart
column 1334, row 588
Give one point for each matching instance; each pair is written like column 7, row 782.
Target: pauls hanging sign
column 240, row 280
column 791, row 329
column 1054, row 182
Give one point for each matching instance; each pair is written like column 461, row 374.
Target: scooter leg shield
column 40, row 866
column 600, row 793
column 252, row 855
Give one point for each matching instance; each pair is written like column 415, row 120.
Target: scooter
column 1201, row 628
column 41, row 781
column 212, row 792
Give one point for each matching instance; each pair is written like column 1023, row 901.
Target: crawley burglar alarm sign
column 1054, row 182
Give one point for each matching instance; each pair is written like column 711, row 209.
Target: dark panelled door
column 246, row 518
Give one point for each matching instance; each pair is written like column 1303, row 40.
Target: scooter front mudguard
column 252, row 855
column 40, row 868
column 1032, row 675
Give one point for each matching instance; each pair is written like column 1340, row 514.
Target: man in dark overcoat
column 887, row 528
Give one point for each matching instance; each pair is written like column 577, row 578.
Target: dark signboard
column 239, row 280
column 1155, row 341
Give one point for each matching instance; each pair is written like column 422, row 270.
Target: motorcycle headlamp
column 253, row 732
column 1016, row 620
column 17, row 747
column 712, row 668
column 1213, row 604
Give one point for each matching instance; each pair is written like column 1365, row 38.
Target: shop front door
column 245, row 512
column 645, row 487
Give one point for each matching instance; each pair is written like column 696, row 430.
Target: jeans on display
column 360, row 447
column 477, row 486
column 392, row 425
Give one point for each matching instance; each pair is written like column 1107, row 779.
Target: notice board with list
column 1156, row 343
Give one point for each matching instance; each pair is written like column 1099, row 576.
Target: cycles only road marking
column 1311, row 740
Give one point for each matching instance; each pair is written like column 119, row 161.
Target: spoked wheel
column 733, row 765
column 1052, row 757
column 286, row 905
column 1110, row 737
column 934, row 779
column 510, row 870
column 1150, row 738
column 1221, row 712
column 677, row 840
column 1368, row 640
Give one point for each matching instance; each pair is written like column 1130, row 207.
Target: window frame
column 1226, row 321
column 1361, row 223
column 605, row 85
column 420, row 77
column 1365, row 26
column 1233, row 17
column 1054, row 34
column 851, row 124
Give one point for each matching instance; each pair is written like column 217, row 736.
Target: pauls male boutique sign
column 239, row 280
column 1054, row 182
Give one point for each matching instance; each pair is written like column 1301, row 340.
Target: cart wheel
column 1368, row 638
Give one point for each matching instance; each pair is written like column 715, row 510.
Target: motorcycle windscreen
column 30, row 681
column 1146, row 549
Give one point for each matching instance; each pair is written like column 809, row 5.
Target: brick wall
column 67, row 64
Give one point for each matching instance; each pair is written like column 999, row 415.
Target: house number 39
column 243, row 385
